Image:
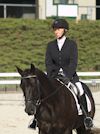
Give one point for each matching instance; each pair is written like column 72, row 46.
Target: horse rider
column 61, row 61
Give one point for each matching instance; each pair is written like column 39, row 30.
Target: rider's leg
column 82, row 99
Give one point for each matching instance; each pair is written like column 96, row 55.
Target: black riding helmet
column 60, row 23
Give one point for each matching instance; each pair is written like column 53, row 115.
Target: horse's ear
column 32, row 68
column 20, row 71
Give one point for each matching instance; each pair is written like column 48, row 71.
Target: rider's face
column 58, row 32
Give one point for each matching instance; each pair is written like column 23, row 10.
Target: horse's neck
column 45, row 84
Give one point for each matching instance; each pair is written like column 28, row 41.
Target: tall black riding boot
column 88, row 122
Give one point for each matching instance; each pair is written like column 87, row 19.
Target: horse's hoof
column 88, row 122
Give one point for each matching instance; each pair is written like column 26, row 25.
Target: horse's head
column 29, row 86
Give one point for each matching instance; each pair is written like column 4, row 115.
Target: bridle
column 39, row 100
column 36, row 101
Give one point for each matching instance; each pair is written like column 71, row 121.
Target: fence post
column 5, row 11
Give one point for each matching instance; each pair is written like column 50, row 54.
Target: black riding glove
column 63, row 79
column 66, row 80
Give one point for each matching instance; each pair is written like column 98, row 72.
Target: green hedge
column 24, row 41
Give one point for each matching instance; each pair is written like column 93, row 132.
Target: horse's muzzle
column 30, row 109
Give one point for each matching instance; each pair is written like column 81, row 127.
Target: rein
column 42, row 100
column 39, row 100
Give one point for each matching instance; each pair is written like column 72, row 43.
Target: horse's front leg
column 45, row 130
column 42, row 132
column 68, row 131
column 61, row 131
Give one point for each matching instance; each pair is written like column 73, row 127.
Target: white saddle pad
column 78, row 105
column 74, row 93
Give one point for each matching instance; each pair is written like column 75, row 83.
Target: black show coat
column 66, row 59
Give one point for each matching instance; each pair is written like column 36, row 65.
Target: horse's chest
column 44, row 126
column 51, row 127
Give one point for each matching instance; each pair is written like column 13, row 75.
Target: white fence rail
column 16, row 81
column 11, row 81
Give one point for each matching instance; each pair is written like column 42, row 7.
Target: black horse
column 52, row 104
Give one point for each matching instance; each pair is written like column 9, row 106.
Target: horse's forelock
column 28, row 72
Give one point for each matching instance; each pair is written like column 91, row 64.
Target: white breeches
column 79, row 85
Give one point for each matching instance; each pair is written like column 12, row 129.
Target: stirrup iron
column 88, row 122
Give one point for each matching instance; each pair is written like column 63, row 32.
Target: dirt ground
column 13, row 119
